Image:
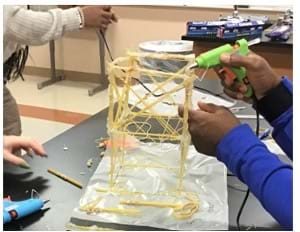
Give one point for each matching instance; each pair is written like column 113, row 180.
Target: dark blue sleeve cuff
column 277, row 101
column 283, row 131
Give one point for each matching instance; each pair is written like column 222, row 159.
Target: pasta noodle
column 125, row 120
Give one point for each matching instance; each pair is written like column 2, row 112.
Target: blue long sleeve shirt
column 268, row 178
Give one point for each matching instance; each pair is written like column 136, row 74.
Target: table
column 63, row 196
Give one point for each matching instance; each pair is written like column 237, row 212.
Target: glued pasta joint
column 189, row 208
column 186, row 211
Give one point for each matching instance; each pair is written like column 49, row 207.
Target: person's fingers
column 105, row 21
column 241, row 87
column 208, row 107
column 103, row 28
column 229, row 83
column 237, row 95
column 110, row 16
column 114, row 18
column 107, row 8
column 198, row 116
column 236, row 60
column 107, row 15
column 226, row 81
column 181, row 111
column 15, row 160
column 196, row 120
column 37, row 147
column 29, row 143
column 235, row 86
column 233, row 94
column 193, row 128
column 193, row 115
column 238, row 87
column 29, row 152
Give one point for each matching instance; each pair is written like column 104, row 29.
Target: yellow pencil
column 66, row 178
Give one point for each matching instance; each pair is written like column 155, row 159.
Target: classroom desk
column 278, row 54
column 63, row 196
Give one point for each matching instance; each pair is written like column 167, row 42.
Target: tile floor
column 63, row 97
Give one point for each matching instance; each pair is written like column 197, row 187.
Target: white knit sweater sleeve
column 36, row 28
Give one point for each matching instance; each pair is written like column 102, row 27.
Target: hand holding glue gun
column 238, row 69
column 210, row 123
column 260, row 76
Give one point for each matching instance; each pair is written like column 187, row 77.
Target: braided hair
column 14, row 66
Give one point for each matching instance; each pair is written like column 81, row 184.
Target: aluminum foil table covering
column 205, row 176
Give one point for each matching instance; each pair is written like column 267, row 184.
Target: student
column 26, row 27
column 216, row 131
column 13, row 144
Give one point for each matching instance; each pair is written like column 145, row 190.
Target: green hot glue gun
column 212, row 58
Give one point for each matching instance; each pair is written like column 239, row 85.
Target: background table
column 63, row 196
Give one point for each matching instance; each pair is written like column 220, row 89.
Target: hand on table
column 13, row 144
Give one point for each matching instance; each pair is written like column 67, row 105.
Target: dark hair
column 14, row 66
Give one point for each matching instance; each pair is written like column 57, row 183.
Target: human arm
column 273, row 94
column 216, row 131
column 268, row 178
column 36, row 28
